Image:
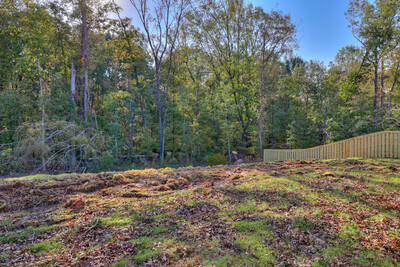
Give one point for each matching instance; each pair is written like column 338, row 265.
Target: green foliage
column 350, row 88
column 216, row 159
column 103, row 163
column 212, row 96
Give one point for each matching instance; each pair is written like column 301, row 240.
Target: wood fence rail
column 384, row 144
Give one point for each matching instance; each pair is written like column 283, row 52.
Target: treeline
column 83, row 89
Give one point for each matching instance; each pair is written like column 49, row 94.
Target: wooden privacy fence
column 384, row 144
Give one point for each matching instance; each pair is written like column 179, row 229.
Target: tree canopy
column 84, row 89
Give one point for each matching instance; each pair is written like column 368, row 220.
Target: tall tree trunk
column 272, row 123
column 166, row 102
column 197, row 124
column 376, row 90
column 382, row 83
column 95, row 119
column 130, row 133
column 160, row 123
column 85, row 59
column 227, row 137
column 73, row 98
column 173, row 138
column 163, row 128
column 197, row 108
column 86, row 93
column 260, row 118
column 144, row 128
column 73, row 75
column 390, row 101
column 43, row 115
column 184, row 139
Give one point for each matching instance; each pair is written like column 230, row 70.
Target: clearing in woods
column 340, row 212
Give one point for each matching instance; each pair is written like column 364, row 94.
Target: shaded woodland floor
column 337, row 212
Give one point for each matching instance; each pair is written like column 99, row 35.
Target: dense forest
column 84, row 89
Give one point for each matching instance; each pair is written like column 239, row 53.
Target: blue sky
column 322, row 25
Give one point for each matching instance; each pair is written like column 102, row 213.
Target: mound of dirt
column 44, row 192
column 75, row 204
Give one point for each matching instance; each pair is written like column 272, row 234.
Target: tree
column 277, row 38
column 373, row 25
column 84, row 58
column 162, row 30
column 241, row 43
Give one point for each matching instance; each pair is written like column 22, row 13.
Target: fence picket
column 369, row 146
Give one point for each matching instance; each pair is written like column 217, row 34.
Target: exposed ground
column 339, row 212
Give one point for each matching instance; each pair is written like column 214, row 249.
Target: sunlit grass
column 39, row 177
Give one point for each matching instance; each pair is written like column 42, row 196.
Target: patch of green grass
column 364, row 256
column 349, row 229
column 144, row 241
column 304, row 224
column 253, row 244
column 146, row 248
column 263, row 206
column 249, row 205
column 336, row 251
column 214, row 242
column 252, row 226
column 50, row 245
column 116, row 219
column 383, row 215
column 163, row 215
column 245, row 187
column 242, row 259
column 344, row 215
column 38, row 177
column 212, row 251
column 371, row 257
column 4, row 257
column 312, row 197
column 146, row 254
column 145, row 251
column 24, row 233
column 318, row 213
column 163, row 229
column 46, row 246
column 301, row 211
column 121, row 263
column 95, row 247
